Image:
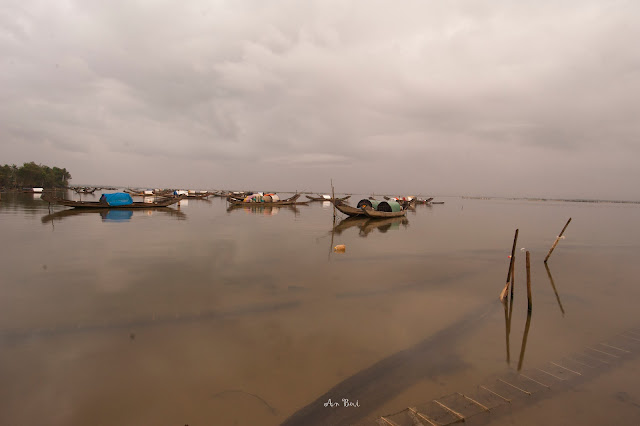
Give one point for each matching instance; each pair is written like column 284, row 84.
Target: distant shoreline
column 564, row 200
column 475, row 197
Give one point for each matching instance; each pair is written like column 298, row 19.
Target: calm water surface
column 204, row 316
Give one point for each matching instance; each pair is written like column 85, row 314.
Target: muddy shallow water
column 200, row 315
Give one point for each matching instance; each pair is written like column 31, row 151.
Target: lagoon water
column 204, row 316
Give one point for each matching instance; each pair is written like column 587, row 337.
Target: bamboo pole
column 513, row 272
column 333, row 200
column 528, row 282
column 557, row 240
column 513, row 253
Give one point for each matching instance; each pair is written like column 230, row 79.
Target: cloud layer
column 481, row 97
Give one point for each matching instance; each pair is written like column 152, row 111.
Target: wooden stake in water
column 513, row 253
column 513, row 273
column 556, row 242
column 528, row 282
column 333, row 201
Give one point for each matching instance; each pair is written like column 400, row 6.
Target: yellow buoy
column 340, row 248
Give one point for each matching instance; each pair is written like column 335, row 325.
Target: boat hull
column 348, row 210
column 375, row 214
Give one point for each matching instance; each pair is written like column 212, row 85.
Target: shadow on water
column 384, row 380
column 28, row 203
column 507, row 323
column 524, row 340
column 255, row 208
column 508, row 315
column 553, row 286
column 111, row 215
column 154, row 321
column 368, row 225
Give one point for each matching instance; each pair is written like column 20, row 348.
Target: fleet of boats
column 370, row 209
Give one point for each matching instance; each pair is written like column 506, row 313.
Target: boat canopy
column 371, row 203
column 117, row 199
column 389, row 206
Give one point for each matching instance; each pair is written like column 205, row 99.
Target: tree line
column 31, row 175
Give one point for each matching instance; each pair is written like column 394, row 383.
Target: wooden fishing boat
column 421, row 201
column 376, row 214
column 355, row 211
column 408, row 204
column 147, row 193
column 288, row 201
column 237, row 196
column 322, row 198
column 348, row 210
column 85, row 190
column 33, row 190
column 101, row 205
column 198, row 196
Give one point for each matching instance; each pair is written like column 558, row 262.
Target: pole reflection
column 524, row 340
column 553, row 286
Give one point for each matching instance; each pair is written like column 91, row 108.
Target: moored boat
column 327, row 198
column 119, row 200
column 355, row 211
column 424, row 201
column 138, row 193
column 348, row 210
column 385, row 209
column 33, row 190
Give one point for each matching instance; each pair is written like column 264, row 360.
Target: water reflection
column 507, row 323
column 368, row 225
column 524, row 340
column 256, row 208
column 508, row 315
column 27, row 202
column 554, row 288
column 112, row 215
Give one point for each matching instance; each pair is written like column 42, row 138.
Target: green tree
column 33, row 175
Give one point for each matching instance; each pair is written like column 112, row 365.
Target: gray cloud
column 457, row 97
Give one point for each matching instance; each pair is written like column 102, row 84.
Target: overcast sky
column 492, row 97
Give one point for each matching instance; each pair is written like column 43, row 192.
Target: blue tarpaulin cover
column 117, row 199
